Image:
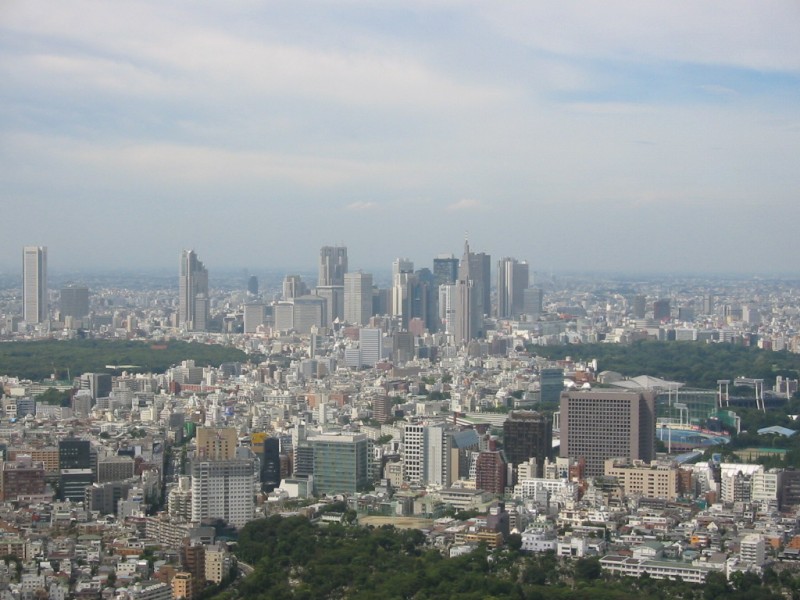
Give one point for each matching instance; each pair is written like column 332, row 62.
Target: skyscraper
column 512, row 280
column 597, row 425
column 74, row 301
column 468, row 303
column 332, row 265
column 341, row 463
column 357, row 297
column 526, row 435
column 481, row 272
column 445, row 269
column 34, row 284
column 193, row 292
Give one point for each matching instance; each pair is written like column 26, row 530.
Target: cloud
column 466, row 204
column 719, row 90
column 361, row 206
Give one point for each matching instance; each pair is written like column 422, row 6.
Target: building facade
column 34, row 284
column 598, row 425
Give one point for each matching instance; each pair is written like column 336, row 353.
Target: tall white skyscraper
column 371, row 345
column 193, row 292
column 34, row 284
column 332, row 265
column 357, row 297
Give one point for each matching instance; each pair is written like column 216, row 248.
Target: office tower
column 424, row 299
column 639, row 306
column 334, row 302
column 357, row 298
column 223, row 489
column 401, row 265
column 532, row 302
column 708, row 304
column 216, row 443
column 481, row 273
column 252, row 285
column 98, row 384
column 661, row 310
column 512, row 281
column 254, row 315
column 309, row 312
column 526, row 435
column 294, row 287
column 468, row 302
column 597, row 425
column 332, row 265
column 371, row 346
column 551, row 384
column 490, row 472
column 74, row 301
column 193, row 293
column 74, row 454
column 447, row 308
column 271, row 464
column 341, row 463
column 75, row 468
column 34, row 284
column 445, row 269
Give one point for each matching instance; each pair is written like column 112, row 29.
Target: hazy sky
column 577, row 135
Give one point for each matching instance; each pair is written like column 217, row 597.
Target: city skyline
column 638, row 138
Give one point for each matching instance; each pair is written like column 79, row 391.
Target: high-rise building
column 74, row 301
column 332, row 265
column 639, row 306
column 551, row 384
column 334, row 301
column 661, row 310
column 34, row 284
column 526, row 435
column 445, row 269
column 223, row 489
column 468, row 302
column 216, row 443
column 341, row 463
column 357, row 298
column 271, row 464
column 481, row 272
column 252, row 285
column 598, row 425
column 254, row 316
column 294, row 287
column 192, row 292
column 371, row 346
column 490, row 472
column 512, row 281
column 98, row 384
column 532, row 301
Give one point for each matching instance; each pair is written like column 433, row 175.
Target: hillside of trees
column 696, row 364
column 38, row 360
column 295, row 559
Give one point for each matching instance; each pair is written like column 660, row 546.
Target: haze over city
column 578, row 136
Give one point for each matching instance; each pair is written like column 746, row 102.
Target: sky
column 577, row 135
